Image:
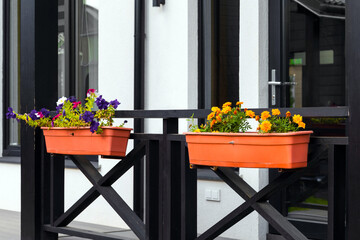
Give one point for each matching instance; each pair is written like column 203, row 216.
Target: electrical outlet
column 213, row 195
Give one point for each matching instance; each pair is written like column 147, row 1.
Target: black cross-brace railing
column 258, row 201
column 102, row 186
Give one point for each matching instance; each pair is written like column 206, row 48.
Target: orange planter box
column 80, row 141
column 249, row 150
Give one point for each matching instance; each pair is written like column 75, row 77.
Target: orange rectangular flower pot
column 249, row 150
column 80, row 141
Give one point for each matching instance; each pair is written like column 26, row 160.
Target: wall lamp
column 157, row 3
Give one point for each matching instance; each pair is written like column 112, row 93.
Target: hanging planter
column 77, row 129
column 250, row 150
column 225, row 141
column 80, row 141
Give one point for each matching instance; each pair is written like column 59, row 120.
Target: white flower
column 61, row 101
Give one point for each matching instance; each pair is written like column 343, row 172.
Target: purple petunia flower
column 64, row 113
column 94, row 126
column 10, row 114
column 115, row 103
column 58, row 108
column 87, row 116
column 33, row 115
column 45, row 112
column 101, row 103
column 72, row 99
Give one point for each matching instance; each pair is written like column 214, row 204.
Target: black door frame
column 352, row 55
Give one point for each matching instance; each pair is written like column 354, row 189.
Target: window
column 11, row 146
column 77, row 58
column 218, row 52
column 78, row 47
column 218, row 57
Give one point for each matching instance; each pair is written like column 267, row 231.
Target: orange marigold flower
column 225, row 110
column 302, row 125
column 239, row 103
column 235, row 112
column 275, row 112
column 212, row 123
column 265, row 126
column 288, row 114
column 257, row 117
column 297, row 118
column 218, row 118
column 265, row 115
column 197, row 130
column 245, row 109
column 210, row 116
column 250, row 113
column 227, row 104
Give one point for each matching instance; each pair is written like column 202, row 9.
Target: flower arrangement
column 277, row 124
column 227, row 119
column 235, row 119
column 71, row 113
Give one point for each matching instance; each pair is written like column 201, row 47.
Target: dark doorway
column 307, row 64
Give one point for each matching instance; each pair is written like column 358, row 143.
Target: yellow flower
column 215, row 131
column 297, row 118
column 250, row 113
column 302, row 125
column 210, row 116
column 288, row 114
column 227, row 104
column 265, row 126
column 275, row 112
column 197, row 130
column 265, row 115
column 257, row 117
column 226, row 109
column 215, row 109
column 239, row 103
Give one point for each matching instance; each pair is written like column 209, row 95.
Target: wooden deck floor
column 10, row 228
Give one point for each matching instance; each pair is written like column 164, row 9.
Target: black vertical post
column 165, row 212
column 336, row 192
column 188, row 192
column 152, row 190
column 139, row 69
column 352, row 56
column 38, row 88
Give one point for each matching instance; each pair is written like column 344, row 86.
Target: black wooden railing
column 170, row 185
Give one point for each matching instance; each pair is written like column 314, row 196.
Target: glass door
column 307, row 69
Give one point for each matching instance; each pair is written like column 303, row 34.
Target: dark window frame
column 8, row 150
column 208, row 41
column 67, row 18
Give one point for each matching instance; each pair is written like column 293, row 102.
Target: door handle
column 273, row 83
